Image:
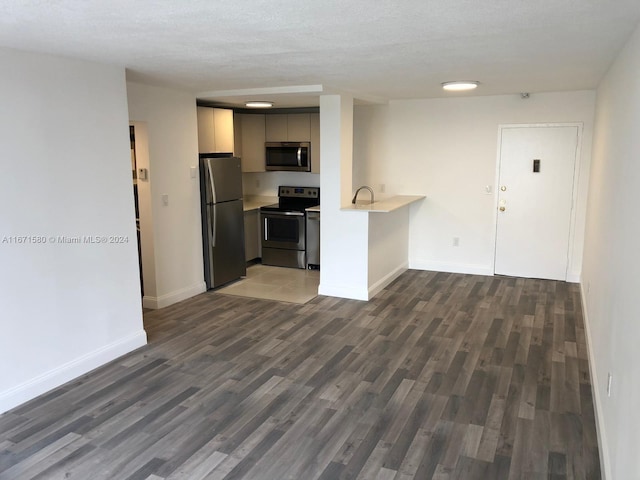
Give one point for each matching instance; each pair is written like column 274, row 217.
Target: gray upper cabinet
column 237, row 136
column 206, row 135
column 314, row 119
column 294, row 127
column 215, row 130
column 299, row 127
column 252, row 142
column 276, row 128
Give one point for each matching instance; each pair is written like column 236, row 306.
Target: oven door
column 283, row 230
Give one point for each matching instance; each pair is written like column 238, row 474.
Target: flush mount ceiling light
column 459, row 86
column 258, row 104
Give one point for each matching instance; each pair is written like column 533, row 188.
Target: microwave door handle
column 299, row 156
column 213, row 187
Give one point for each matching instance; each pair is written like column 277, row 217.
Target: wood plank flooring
column 441, row 376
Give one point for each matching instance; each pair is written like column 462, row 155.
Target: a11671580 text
column 63, row 239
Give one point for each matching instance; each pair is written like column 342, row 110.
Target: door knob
column 503, row 188
column 502, row 209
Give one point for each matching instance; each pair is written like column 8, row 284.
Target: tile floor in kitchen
column 293, row 285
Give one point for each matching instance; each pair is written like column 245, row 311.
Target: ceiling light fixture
column 259, row 104
column 459, row 86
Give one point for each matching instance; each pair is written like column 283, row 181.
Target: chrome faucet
column 358, row 191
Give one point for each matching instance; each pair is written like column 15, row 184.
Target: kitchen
column 281, row 149
column 276, row 235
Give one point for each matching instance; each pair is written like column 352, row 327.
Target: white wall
column 447, row 149
column 388, row 248
column 65, row 170
column 610, row 281
column 171, row 120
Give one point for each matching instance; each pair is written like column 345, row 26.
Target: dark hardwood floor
column 441, row 376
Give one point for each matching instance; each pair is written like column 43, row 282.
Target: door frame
column 569, row 277
column 147, row 259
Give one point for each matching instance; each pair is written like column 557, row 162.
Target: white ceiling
column 378, row 50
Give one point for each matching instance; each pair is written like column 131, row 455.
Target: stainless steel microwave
column 288, row 156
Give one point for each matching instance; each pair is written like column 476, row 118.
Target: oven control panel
column 299, row 192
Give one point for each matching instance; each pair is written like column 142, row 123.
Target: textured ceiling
column 375, row 49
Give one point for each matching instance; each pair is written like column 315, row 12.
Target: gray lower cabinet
column 252, row 243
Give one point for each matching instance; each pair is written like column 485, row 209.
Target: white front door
column 535, row 198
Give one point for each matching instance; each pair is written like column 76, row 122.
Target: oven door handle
column 287, row 214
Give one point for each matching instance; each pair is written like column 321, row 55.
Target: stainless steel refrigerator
column 222, row 219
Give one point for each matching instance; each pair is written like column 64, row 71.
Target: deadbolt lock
column 502, row 209
column 503, row 188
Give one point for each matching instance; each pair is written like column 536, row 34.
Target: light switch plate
column 142, row 173
column 194, row 172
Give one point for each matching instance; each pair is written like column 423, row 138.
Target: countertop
column 254, row 202
column 313, row 209
column 384, row 206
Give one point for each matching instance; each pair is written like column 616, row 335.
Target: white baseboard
column 573, row 277
column 386, row 280
column 173, row 297
column 419, row 264
column 68, row 371
column 348, row 291
column 603, row 446
column 343, row 291
column 471, row 269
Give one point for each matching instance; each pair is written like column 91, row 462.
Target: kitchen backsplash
column 267, row 183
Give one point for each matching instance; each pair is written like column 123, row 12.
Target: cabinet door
column 253, row 138
column 298, row 127
column 206, row 135
column 251, row 234
column 315, row 142
column 223, row 128
column 237, row 136
column 276, row 128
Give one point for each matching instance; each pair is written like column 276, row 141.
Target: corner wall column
column 344, row 236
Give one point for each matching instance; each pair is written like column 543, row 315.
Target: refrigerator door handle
column 213, row 187
column 213, row 221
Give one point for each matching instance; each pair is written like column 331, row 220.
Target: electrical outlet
column 165, row 199
column 609, row 382
column 456, row 241
column 382, row 188
column 257, row 183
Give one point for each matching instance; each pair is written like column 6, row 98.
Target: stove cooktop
column 295, row 199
